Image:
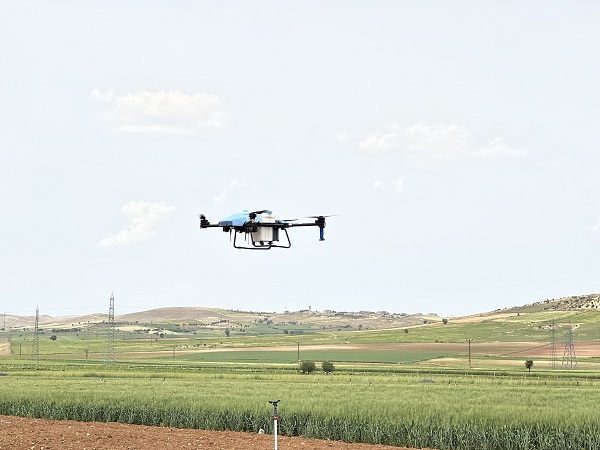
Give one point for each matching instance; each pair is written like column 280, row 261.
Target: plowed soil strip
column 18, row 433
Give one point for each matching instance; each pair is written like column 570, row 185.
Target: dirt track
column 17, row 433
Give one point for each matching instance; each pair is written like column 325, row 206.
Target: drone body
column 261, row 229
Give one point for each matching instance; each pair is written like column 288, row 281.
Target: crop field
column 456, row 385
column 418, row 410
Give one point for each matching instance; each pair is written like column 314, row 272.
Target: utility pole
column 298, row 351
column 469, row 341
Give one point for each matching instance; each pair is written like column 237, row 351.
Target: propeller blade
column 318, row 217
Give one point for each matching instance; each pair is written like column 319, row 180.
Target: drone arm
column 204, row 223
column 320, row 222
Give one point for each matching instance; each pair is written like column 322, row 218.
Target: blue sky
column 457, row 143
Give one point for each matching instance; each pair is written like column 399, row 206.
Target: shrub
column 327, row 366
column 307, row 366
column 529, row 364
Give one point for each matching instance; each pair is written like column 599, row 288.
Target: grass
column 437, row 411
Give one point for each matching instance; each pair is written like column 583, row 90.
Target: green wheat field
column 418, row 386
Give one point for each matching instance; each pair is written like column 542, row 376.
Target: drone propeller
column 203, row 222
column 321, row 224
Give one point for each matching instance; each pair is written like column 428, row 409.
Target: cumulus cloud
column 233, row 186
column 432, row 143
column 162, row 112
column 380, row 142
column 435, row 137
column 102, row 97
column 437, row 140
column 496, row 148
column 144, row 217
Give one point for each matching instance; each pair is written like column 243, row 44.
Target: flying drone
column 261, row 230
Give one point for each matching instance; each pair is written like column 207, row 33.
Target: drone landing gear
column 261, row 245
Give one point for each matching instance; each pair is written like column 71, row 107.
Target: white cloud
column 233, row 186
column 424, row 144
column 102, row 97
column 144, row 218
column 380, row 142
column 597, row 226
column 423, row 137
column 162, row 112
column 438, row 140
column 496, row 148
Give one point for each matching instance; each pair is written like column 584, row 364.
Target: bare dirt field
column 18, row 433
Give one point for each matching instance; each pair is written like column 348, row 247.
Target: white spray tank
column 266, row 234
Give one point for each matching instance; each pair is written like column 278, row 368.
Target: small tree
column 53, row 337
column 307, row 366
column 227, row 332
column 529, row 364
column 444, row 321
column 327, row 367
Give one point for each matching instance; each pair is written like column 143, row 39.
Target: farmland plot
column 444, row 412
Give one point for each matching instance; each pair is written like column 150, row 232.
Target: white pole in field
column 275, row 417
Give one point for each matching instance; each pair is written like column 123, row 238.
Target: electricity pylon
column 110, row 356
column 35, row 348
column 552, row 346
column 569, row 359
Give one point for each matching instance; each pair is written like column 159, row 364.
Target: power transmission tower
column 110, row 356
column 552, row 346
column 35, row 348
column 569, row 359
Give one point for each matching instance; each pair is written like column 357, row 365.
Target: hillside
column 307, row 319
column 576, row 302
column 199, row 316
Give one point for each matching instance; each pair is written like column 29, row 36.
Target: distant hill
column 367, row 320
column 576, row 302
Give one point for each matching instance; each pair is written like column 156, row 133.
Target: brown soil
column 18, row 433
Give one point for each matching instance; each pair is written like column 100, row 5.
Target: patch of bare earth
column 18, row 433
